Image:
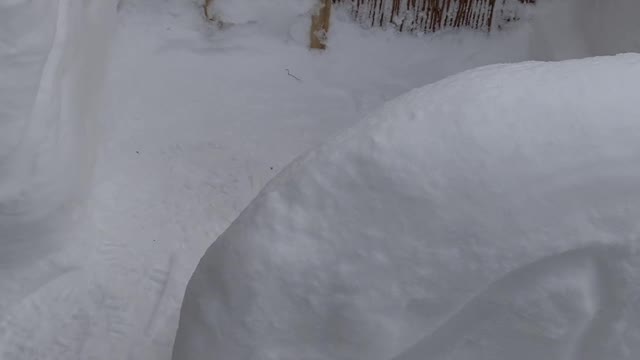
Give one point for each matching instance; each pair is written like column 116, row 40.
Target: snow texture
column 492, row 215
column 94, row 258
column 246, row 11
column 52, row 59
column 564, row 29
column 197, row 121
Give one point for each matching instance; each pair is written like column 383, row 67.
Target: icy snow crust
column 492, row 215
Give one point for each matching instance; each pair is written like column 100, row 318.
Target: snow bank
column 492, row 215
column 52, row 57
column 565, row 29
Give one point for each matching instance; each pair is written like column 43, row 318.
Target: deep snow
column 492, row 215
column 197, row 121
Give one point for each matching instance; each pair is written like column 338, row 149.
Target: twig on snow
column 293, row 76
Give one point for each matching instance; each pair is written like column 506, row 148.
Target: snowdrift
column 492, row 215
column 52, row 57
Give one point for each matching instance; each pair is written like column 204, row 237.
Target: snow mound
column 492, row 215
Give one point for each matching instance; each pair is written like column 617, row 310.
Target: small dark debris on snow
column 293, row 76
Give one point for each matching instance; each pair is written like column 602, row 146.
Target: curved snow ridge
column 27, row 57
column 492, row 215
column 591, row 280
column 25, row 47
column 46, row 162
column 56, row 52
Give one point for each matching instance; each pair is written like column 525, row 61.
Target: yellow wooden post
column 320, row 24
column 207, row 7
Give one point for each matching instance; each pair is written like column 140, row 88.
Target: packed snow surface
column 492, row 215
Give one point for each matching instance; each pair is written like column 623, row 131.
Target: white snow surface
column 492, row 215
column 194, row 121
column 47, row 113
column 197, row 120
column 565, row 29
column 264, row 11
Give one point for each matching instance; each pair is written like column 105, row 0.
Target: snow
column 111, row 192
column 492, row 215
column 580, row 28
column 26, row 55
column 263, row 11
column 52, row 56
column 48, row 97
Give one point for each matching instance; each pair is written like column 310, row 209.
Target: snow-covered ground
column 197, row 120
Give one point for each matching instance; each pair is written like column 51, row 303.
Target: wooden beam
column 207, row 8
column 320, row 25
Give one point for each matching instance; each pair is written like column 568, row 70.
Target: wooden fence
column 415, row 16
column 426, row 15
